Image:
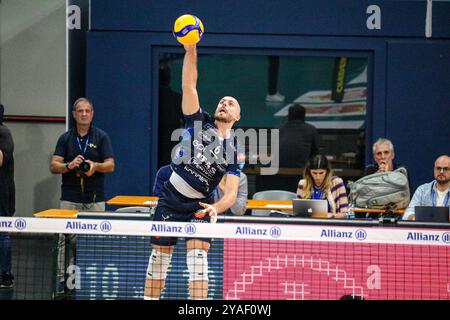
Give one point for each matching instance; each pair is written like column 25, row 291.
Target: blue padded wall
column 409, row 74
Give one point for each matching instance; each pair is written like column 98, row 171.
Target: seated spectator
column 435, row 193
column 298, row 139
column 238, row 208
column 319, row 183
column 383, row 154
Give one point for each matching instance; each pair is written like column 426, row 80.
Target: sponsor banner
column 311, row 270
column 326, row 111
column 228, row 230
column 338, row 124
column 325, row 96
column 339, row 74
column 114, row 267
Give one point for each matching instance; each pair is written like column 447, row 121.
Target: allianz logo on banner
column 274, row 232
column 6, row 224
column 104, row 226
column 446, row 237
column 156, row 227
column 431, row 237
column 190, row 229
column 19, row 224
column 359, row 234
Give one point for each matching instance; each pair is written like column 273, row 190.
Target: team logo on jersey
column 200, row 214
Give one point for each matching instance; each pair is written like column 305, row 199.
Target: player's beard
column 226, row 118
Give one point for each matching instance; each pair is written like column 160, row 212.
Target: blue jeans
column 5, row 252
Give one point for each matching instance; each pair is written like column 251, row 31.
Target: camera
column 83, row 168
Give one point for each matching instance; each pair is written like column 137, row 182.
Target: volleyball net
column 247, row 260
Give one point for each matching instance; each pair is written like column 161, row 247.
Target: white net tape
column 350, row 234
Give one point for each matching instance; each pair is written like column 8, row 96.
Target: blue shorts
column 173, row 206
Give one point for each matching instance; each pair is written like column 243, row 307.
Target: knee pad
column 157, row 265
column 197, row 263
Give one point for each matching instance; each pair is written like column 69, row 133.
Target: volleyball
column 188, row 29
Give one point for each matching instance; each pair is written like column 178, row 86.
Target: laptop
column 431, row 214
column 308, row 207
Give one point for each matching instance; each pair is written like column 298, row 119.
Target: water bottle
column 351, row 212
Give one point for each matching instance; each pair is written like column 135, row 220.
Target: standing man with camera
column 82, row 155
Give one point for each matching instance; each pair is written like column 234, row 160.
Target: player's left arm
column 228, row 199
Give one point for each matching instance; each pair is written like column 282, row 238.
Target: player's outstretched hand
column 190, row 48
column 210, row 210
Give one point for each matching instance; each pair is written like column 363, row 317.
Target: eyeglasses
column 443, row 169
column 81, row 111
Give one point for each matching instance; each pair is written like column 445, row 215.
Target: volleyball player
column 208, row 151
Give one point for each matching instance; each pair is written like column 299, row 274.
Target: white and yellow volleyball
column 188, row 29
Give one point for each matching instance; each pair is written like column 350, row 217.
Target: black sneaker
column 61, row 287
column 7, row 280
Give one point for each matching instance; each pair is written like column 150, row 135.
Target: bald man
column 207, row 152
column 436, row 193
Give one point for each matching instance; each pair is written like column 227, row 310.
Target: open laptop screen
column 431, row 214
column 307, row 207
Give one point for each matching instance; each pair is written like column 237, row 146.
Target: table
column 124, row 201
column 57, row 213
column 363, row 210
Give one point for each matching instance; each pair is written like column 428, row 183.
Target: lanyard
column 317, row 193
column 433, row 196
column 83, row 150
column 83, row 153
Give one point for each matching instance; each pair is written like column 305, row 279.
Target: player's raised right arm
column 190, row 103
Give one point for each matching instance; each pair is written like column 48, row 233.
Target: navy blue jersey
column 96, row 146
column 204, row 158
column 162, row 176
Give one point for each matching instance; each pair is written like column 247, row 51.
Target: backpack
column 383, row 190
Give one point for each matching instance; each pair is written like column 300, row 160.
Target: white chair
column 271, row 195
